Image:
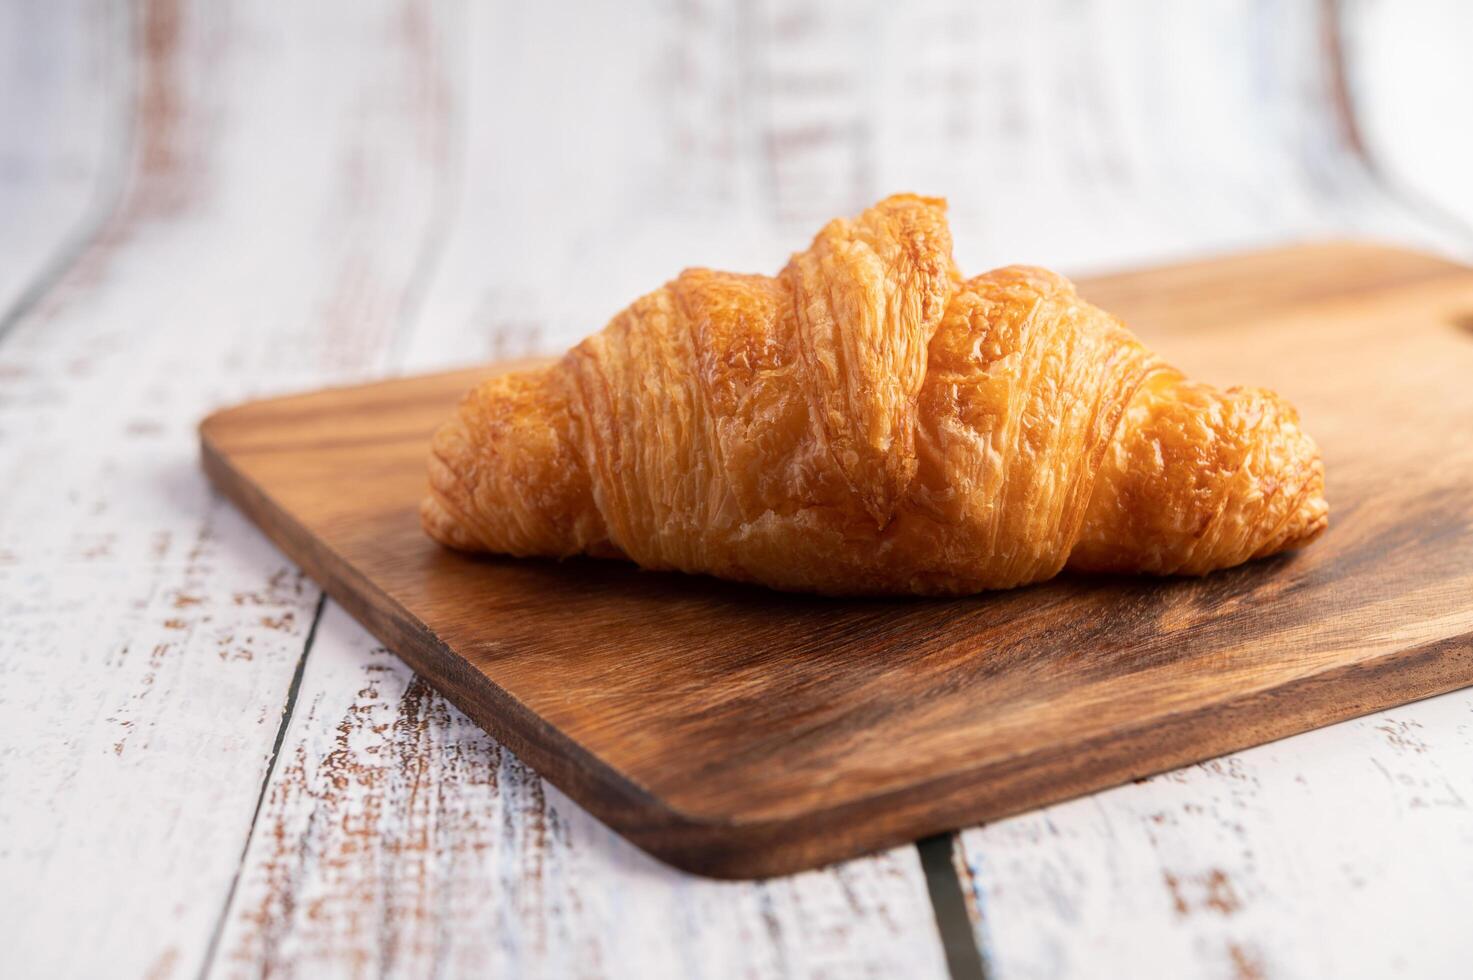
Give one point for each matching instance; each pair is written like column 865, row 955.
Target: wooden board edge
column 746, row 849
column 1226, row 263
column 1064, row 772
column 711, row 847
column 636, row 814
column 211, row 426
column 494, row 709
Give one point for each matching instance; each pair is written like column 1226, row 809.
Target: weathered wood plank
column 281, row 217
column 1330, row 854
column 1092, row 140
column 280, row 192
column 398, row 838
column 1407, row 75
column 1337, row 853
column 1203, row 130
column 65, row 84
column 518, row 898
column 722, row 135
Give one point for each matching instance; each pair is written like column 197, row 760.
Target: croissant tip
column 1317, row 524
column 439, row 523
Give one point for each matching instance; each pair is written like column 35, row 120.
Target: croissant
column 869, row 422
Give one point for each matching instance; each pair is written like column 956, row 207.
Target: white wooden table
column 208, row 770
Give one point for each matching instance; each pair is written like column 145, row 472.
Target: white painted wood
column 396, row 837
column 277, row 223
column 326, row 193
column 65, row 83
column 1063, row 133
column 399, row 839
column 1410, row 77
column 1342, row 852
column 279, row 201
column 1098, row 135
column 1338, row 853
column 604, row 153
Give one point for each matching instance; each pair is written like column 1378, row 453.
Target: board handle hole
column 1463, row 321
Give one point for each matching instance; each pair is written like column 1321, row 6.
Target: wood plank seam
column 113, row 229
column 431, row 251
column 110, row 200
column 108, row 195
column 946, row 890
column 426, row 267
column 800, row 915
column 1015, row 932
column 287, row 712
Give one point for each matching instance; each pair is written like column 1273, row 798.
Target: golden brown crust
column 505, row 478
column 867, row 422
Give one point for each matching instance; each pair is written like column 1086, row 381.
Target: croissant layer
column 869, row 422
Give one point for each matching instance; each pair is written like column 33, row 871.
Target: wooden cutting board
column 739, row 732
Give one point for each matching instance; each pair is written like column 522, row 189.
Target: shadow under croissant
column 714, row 630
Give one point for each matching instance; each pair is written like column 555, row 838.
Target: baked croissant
column 869, row 422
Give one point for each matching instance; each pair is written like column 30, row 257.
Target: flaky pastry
column 869, row 422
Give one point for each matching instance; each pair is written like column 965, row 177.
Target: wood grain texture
column 724, row 134
column 624, row 144
column 1331, row 854
column 399, row 839
column 1404, row 55
column 738, row 732
column 490, row 292
column 150, row 640
column 152, row 637
column 65, row 87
